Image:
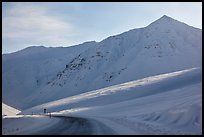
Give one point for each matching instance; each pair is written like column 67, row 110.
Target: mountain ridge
column 161, row 47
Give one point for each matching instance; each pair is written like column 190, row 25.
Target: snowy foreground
column 163, row 104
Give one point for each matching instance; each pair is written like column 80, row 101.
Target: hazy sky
column 54, row 24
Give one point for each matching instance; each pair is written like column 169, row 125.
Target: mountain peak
column 165, row 16
column 165, row 21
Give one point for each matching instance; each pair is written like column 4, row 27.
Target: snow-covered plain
column 143, row 81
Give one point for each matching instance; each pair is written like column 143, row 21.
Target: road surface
column 76, row 126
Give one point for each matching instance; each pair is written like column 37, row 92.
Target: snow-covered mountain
column 38, row 75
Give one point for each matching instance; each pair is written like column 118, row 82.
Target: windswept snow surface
column 164, row 104
column 38, row 75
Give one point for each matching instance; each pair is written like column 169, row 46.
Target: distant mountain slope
column 40, row 75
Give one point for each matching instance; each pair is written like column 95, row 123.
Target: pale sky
column 55, row 24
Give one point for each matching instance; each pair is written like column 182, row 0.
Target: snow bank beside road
column 24, row 125
column 9, row 111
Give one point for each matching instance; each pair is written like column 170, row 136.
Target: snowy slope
column 125, row 91
column 163, row 104
column 9, row 111
column 26, row 71
column 47, row 74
